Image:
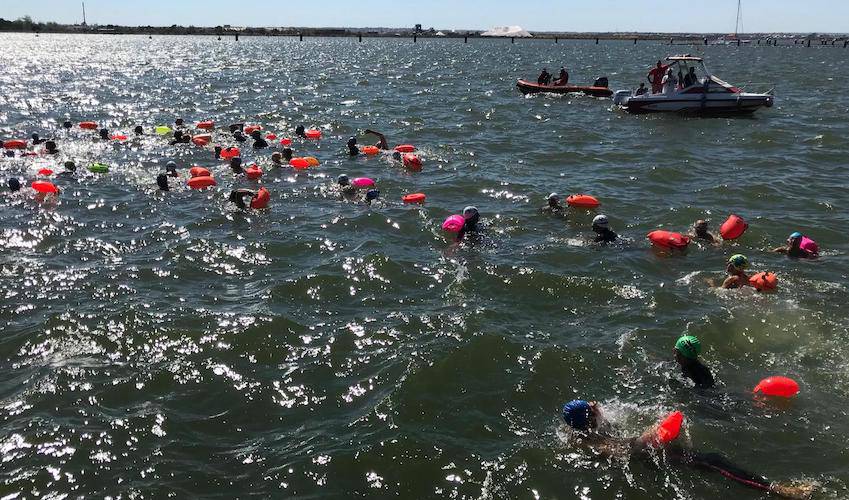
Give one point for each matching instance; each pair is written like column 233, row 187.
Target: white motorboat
column 703, row 94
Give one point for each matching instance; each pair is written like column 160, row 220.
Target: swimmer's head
column 470, row 212
column 67, row 124
column 738, row 262
column 171, row 168
column 352, row 142
column 580, row 415
column 299, row 131
column 396, row 156
column 138, row 130
column 236, row 163
column 178, row 122
column 795, row 237
column 343, row 180
column 14, row 184
column 238, row 134
column 600, row 222
column 256, row 135
column 104, row 133
column 553, row 199
column 50, row 147
column 162, row 182
column 287, row 154
column 688, row 347
column 372, row 194
column 701, row 226
column 34, row 137
column 277, row 157
column 70, row 166
column 217, row 149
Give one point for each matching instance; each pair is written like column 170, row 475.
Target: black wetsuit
column 698, row 373
column 605, row 236
column 717, row 463
column 260, row 143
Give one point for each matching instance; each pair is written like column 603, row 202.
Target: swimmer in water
column 70, row 169
column 36, row 139
column 259, row 142
column 50, row 147
column 372, row 195
column 687, row 349
column 300, row 131
column 180, row 138
column 353, row 150
column 604, row 234
column 553, row 206
column 735, row 269
column 794, row 249
column 346, row 189
column 588, row 424
column 171, row 169
column 162, row 182
column 236, row 126
column 287, row 154
column 67, row 124
column 237, row 196
column 471, row 217
column 14, row 184
column 239, row 136
column 277, row 158
column 236, row 165
column 104, row 134
column 138, row 130
column 700, row 232
column 381, row 142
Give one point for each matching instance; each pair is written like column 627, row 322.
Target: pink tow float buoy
column 454, row 223
column 44, row 187
column 809, row 246
column 362, row 182
column 783, row 387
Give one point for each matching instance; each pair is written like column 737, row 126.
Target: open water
column 166, row 344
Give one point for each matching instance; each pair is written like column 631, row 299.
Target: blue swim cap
column 372, row 194
column 795, row 236
column 576, row 413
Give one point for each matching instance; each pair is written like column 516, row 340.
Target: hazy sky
column 561, row 15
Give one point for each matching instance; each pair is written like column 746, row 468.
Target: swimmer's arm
column 382, row 138
column 730, row 282
column 780, row 250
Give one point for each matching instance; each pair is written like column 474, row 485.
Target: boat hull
column 732, row 105
column 526, row 87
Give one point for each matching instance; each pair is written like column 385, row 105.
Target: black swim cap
column 14, row 184
column 67, row 124
column 162, row 182
column 69, row 165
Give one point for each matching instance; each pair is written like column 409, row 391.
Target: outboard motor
column 601, row 82
column 620, row 97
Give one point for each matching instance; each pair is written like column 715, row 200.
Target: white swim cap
column 553, row 196
column 600, row 221
column 469, row 211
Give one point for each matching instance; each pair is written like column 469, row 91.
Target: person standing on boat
column 670, row 83
column 544, row 77
column 564, row 77
column 690, row 78
column 655, row 77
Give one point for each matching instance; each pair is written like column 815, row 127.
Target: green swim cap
column 689, row 346
column 739, row 261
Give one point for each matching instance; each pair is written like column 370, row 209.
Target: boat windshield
column 689, row 73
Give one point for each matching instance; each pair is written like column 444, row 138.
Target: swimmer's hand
column 799, row 491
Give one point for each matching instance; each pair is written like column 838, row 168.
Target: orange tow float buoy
column 199, row 172
column 15, row 144
column 261, row 199
column 201, row 182
column 206, row 125
column 313, row 133
column 405, row 148
column 783, row 387
column 45, row 172
column 119, row 137
column 199, row 141
column 299, row 163
column 253, row 172
column 370, row 150
column 582, row 201
column 669, row 239
column 271, row 137
column 764, row 281
column 44, row 187
column 285, row 141
column 733, row 227
column 412, row 161
column 414, row 198
column 231, row 152
column 312, row 161
column 250, row 129
column 88, row 125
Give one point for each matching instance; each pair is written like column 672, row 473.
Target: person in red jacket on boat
column 655, row 77
column 563, row 79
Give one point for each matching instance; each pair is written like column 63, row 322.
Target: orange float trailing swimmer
column 45, row 172
column 271, row 137
column 414, row 198
column 285, row 141
column 199, row 141
column 15, row 144
column 668, row 429
column 312, row 133
column 764, row 281
column 206, row 125
column 199, row 172
column 119, row 137
column 299, row 163
column 783, row 387
column 370, row 150
column 405, row 148
column 312, row 161
column 201, row 182
column 733, row 227
column 253, row 172
column 88, row 125
column 261, row 199
column 231, row 152
column 582, row 201
column 411, row 161
column 44, row 187
column 669, row 240
column 250, row 129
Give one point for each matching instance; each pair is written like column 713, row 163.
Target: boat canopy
column 685, row 57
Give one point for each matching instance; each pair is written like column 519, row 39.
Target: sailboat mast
column 737, row 26
column 83, row 13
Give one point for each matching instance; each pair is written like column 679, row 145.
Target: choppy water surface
column 159, row 344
